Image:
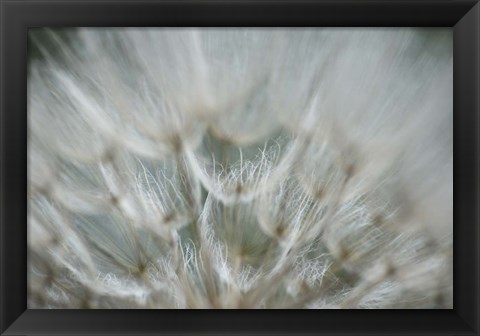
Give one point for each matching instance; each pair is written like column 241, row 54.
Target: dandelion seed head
column 240, row 168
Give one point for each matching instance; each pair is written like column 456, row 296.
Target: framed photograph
column 229, row 167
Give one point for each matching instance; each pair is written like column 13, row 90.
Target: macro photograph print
column 240, row 168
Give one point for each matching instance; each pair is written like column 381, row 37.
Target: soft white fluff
column 240, row 168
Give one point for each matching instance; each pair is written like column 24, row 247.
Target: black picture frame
column 17, row 16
